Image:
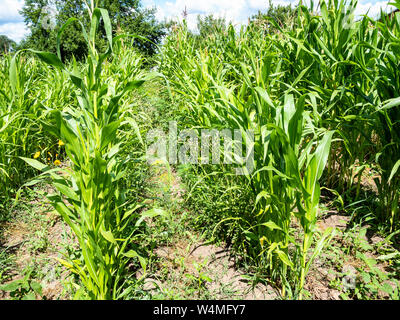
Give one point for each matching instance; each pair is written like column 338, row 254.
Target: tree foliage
column 283, row 15
column 209, row 24
column 127, row 16
column 6, row 44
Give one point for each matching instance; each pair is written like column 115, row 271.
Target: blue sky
column 237, row 11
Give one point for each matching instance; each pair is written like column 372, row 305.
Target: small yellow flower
column 57, row 162
column 36, row 155
column 60, row 143
column 157, row 162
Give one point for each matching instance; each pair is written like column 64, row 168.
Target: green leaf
column 134, row 254
column 386, row 287
column 67, row 215
column 264, row 95
column 262, row 194
column 70, row 138
column 389, row 256
column 133, row 85
column 366, row 277
column 13, row 73
column 108, row 133
column 322, row 153
column 61, row 31
column 35, row 164
column 394, row 170
column 390, row 103
column 131, row 254
column 250, row 235
column 89, row 263
column 12, row 286
column 128, row 213
column 150, row 214
column 107, row 26
column 135, row 127
column 36, row 287
column 107, row 235
column 272, row 225
column 29, row 296
column 49, row 58
column 284, row 258
column 31, row 183
column 66, row 191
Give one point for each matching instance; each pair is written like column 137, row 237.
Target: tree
column 127, row 16
column 6, row 44
column 209, row 25
column 283, row 15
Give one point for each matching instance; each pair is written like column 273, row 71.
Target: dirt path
column 188, row 267
column 33, row 239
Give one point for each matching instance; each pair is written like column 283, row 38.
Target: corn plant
column 290, row 153
column 289, row 160
column 386, row 124
column 21, row 116
column 90, row 199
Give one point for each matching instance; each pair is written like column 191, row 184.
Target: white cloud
column 238, row 11
column 11, row 22
column 374, row 9
column 14, row 30
column 232, row 10
column 9, row 10
column 263, row 4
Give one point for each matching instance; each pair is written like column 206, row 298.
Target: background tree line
column 127, row 16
